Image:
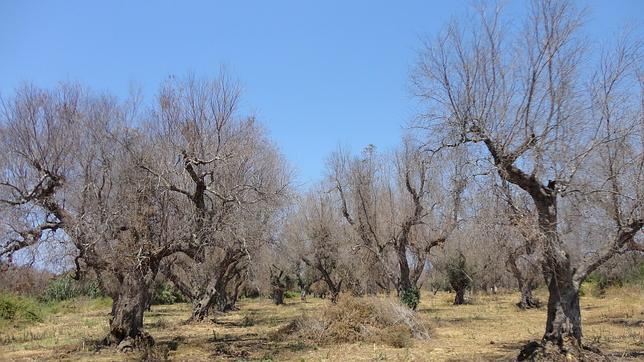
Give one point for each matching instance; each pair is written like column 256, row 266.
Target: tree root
column 532, row 303
column 142, row 341
column 548, row 351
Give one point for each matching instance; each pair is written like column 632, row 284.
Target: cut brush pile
column 368, row 319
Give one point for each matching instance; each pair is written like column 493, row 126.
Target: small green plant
column 165, row 293
column 410, row 297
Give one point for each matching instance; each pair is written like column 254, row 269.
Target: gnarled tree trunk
column 215, row 291
column 223, row 300
column 563, row 326
column 278, row 288
column 201, row 305
column 527, row 300
column 525, row 281
column 128, row 306
column 459, row 299
column 334, row 288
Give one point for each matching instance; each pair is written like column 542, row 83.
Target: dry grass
column 369, row 319
column 490, row 328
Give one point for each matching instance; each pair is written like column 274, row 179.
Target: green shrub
column 597, row 283
column 66, row 287
column 291, row 294
column 606, row 277
column 410, row 297
column 18, row 309
column 166, row 293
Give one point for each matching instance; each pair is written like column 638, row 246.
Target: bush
column 597, row 283
column 617, row 272
column 636, row 275
column 372, row 319
column 458, row 276
column 166, row 293
column 18, row 309
column 24, row 280
column 289, row 294
column 410, row 297
column 66, row 287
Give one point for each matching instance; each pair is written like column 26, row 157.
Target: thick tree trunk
column 216, row 290
column 404, row 283
column 201, row 307
column 459, row 299
column 214, row 294
column 563, row 326
column 278, row 287
column 526, row 284
column 278, row 295
column 128, row 307
column 222, row 302
column 235, row 296
column 562, row 339
column 527, row 300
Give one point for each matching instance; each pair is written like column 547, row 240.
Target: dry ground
column 488, row 329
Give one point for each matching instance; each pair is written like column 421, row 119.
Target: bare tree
column 315, row 236
column 398, row 214
column 68, row 177
column 523, row 102
column 227, row 175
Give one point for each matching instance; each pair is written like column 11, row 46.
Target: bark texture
column 128, row 307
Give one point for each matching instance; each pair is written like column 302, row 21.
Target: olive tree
column 316, row 237
column 398, row 208
column 69, row 176
column 228, row 177
column 567, row 135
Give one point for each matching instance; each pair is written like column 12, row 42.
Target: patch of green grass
column 89, row 322
column 16, row 309
column 289, row 294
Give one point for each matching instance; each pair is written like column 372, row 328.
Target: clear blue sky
column 317, row 74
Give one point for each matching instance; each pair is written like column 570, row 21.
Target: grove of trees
column 524, row 168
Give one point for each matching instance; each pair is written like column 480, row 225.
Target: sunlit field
column 489, row 328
